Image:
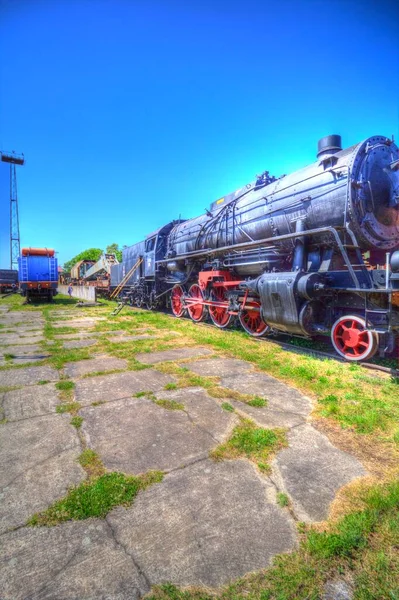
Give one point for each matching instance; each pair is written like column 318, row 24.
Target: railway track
column 308, row 351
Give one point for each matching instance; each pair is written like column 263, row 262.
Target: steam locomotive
column 313, row 253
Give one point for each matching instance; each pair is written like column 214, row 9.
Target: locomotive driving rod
column 286, row 236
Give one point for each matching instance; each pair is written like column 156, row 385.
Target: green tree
column 114, row 249
column 89, row 254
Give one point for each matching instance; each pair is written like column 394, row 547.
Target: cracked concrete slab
column 103, row 388
column 74, row 561
column 205, row 525
column 24, row 360
column 118, row 331
column 131, row 338
column 79, row 343
column 76, row 336
column 76, row 324
column 30, row 401
column 26, row 330
column 11, row 338
column 27, row 376
column 16, row 319
column 219, row 367
column 311, row 470
column 135, row 435
column 151, row 358
column 281, row 397
column 38, row 460
column 21, row 350
column 266, row 417
column 203, row 410
column 94, row 365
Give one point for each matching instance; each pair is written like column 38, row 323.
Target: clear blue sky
column 131, row 113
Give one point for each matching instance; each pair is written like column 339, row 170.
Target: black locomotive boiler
column 312, row 253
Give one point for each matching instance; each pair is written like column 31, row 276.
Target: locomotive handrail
column 126, row 278
column 276, row 190
column 287, row 236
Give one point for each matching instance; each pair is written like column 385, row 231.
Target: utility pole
column 13, row 159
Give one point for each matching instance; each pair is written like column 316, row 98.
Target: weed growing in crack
column 141, row 394
column 68, row 407
column 147, row 394
column 170, row 404
column 282, row 499
column 65, row 385
column 96, row 497
column 187, row 378
column 227, row 406
column 170, row 386
column 77, row 421
column 65, row 390
column 248, row 440
column 264, row 467
column 91, row 463
column 258, row 402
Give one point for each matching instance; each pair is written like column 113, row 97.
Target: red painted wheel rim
column 196, row 311
column 352, row 339
column 252, row 322
column 219, row 314
column 176, row 301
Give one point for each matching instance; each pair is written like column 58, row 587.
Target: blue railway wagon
column 38, row 274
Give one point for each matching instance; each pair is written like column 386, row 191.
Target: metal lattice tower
column 13, row 160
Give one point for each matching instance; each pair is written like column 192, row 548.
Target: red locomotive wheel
column 252, row 322
column 176, row 301
column 198, row 311
column 352, row 340
column 219, row 314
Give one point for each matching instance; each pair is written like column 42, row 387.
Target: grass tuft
column 186, row 378
column 96, row 497
column 77, row 421
column 255, row 443
column 282, row 499
column 91, row 463
column 258, row 402
column 170, row 404
column 227, row 406
column 142, row 394
column 71, row 407
column 170, row 386
column 65, row 385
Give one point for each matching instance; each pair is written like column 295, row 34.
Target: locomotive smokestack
column 330, row 144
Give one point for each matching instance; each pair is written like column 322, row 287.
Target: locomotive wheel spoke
column 352, row 340
column 219, row 314
column 197, row 311
column 176, row 301
column 252, row 322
